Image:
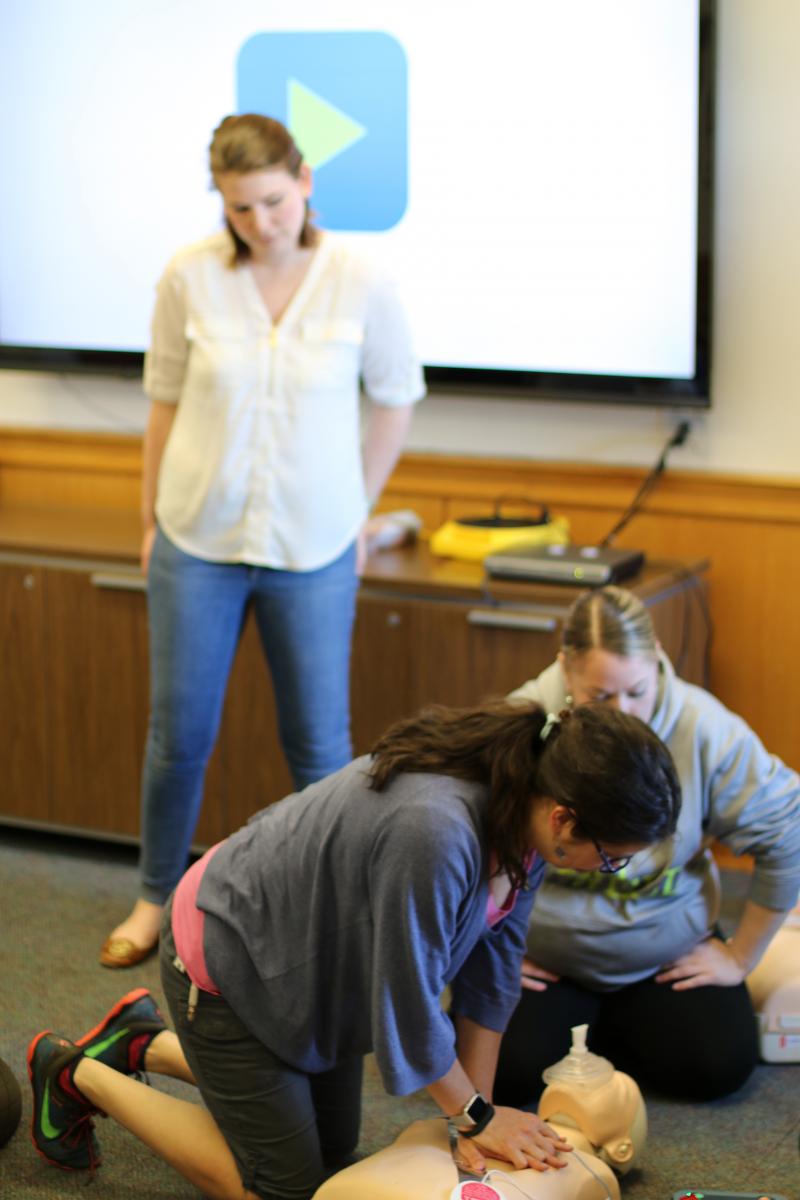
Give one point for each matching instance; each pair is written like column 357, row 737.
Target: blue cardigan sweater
column 336, row 918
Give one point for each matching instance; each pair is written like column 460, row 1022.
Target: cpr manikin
column 598, row 1110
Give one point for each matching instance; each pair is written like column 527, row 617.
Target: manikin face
column 599, row 677
column 266, row 209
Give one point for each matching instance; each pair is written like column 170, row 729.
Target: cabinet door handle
column 498, row 618
column 120, row 582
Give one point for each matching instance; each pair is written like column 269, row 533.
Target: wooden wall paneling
column 595, row 487
column 755, row 572
column 43, row 488
column 24, row 755
column 39, row 469
column 682, row 625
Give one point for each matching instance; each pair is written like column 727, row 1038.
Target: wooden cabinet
column 24, row 755
column 96, row 699
column 74, row 704
column 409, row 652
column 75, row 683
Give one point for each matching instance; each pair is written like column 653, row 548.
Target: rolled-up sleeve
column 390, row 369
column 166, row 358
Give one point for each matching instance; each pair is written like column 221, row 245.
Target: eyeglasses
column 609, row 865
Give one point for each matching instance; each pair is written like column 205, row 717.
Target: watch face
column 477, row 1109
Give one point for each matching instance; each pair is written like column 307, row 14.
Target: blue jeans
column 196, row 612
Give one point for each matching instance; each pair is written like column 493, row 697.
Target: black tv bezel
column 635, row 390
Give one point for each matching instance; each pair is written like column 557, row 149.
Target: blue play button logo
column 344, row 98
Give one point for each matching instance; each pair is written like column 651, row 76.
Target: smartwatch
column 473, row 1118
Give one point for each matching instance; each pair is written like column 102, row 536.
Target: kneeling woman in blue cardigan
column 329, row 927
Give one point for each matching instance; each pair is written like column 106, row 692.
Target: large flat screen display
column 535, row 173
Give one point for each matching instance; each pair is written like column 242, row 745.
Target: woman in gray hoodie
column 638, row 954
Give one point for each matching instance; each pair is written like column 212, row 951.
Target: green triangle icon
column 320, row 129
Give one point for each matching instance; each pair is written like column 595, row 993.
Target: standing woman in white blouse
column 256, row 485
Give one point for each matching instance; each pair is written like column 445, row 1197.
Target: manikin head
column 598, row 1109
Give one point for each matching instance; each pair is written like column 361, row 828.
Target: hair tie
column 552, row 720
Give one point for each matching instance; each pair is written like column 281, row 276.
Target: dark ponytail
column 610, row 769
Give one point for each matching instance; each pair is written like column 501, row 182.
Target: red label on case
column 478, row 1191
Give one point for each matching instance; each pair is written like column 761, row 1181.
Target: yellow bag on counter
column 472, row 538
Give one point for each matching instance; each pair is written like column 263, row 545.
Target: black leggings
column 695, row 1045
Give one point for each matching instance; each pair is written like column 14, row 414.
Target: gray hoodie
column 605, row 931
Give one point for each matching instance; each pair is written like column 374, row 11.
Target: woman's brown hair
column 608, row 768
column 252, row 142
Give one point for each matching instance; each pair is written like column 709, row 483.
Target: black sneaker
column 62, row 1126
column 122, row 1037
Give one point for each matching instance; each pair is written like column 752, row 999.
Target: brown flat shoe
column 121, row 952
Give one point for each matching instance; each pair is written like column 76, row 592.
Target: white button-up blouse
column 263, row 461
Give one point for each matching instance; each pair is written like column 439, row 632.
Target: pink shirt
column 188, row 923
column 502, row 897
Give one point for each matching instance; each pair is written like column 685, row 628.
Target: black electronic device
column 587, row 566
column 702, row 1194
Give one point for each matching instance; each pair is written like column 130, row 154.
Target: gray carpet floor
column 60, row 896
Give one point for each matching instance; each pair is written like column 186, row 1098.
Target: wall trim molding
column 458, row 480
column 56, row 450
column 598, row 487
